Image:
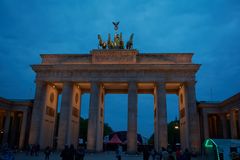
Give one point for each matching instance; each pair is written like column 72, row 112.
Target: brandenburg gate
column 105, row 71
column 112, row 69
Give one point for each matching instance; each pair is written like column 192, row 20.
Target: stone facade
column 220, row 119
column 15, row 116
column 115, row 71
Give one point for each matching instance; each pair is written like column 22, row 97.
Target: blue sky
column 210, row 29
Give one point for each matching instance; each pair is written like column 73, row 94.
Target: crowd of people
column 70, row 153
column 166, row 154
column 33, row 150
column 163, row 154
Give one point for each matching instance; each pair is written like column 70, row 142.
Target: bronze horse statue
column 109, row 42
column 121, row 43
column 130, row 42
column 101, row 43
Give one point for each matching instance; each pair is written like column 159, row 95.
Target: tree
column 107, row 129
column 84, row 127
column 173, row 133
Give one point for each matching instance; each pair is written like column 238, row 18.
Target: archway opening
column 173, row 121
column 115, row 120
column 84, row 115
column 145, row 118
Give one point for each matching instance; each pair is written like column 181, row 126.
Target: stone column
column 193, row 118
column 238, row 123
column 65, row 126
column 6, row 126
column 14, row 128
column 160, row 114
column 37, row 112
column 93, row 116
column 23, row 129
column 183, row 117
column 215, row 126
column 224, row 124
column 205, row 125
column 100, row 121
column 76, row 115
column 210, row 122
column 233, row 124
column 132, row 118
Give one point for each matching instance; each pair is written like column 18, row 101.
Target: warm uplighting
column 176, row 127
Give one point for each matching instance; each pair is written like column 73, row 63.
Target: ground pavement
column 96, row 156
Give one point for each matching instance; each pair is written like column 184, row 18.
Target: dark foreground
column 95, row 156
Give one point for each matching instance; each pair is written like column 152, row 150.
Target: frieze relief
column 114, row 57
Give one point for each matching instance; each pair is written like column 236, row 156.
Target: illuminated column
column 205, row 125
column 23, row 129
column 38, row 112
column 69, row 115
column 193, row 118
column 100, row 120
column 224, row 125
column 183, row 117
column 93, row 124
column 160, row 116
column 132, row 118
column 6, row 126
column 233, row 124
column 76, row 112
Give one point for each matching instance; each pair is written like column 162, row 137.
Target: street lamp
column 176, row 127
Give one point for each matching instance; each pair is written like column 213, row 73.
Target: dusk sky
column 209, row 29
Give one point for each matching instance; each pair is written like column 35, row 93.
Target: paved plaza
column 96, row 156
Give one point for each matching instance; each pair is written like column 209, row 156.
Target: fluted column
column 23, row 129
column 132, row 118
column 205, row 125
column 65, row 128
column 6, row 126
column 183, row 116
column 37, row 112
column 215, row 126
column 93, row 116
column 160, row 114
column 233, row 124
column 100, row 120
column 193, row 117
column 238, row 123
column 224, row 124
